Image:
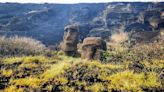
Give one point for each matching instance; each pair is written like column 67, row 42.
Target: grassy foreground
column 61, row 73
column 127, row 69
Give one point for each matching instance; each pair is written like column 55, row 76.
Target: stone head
column 70, row 39
column 71, row 34
column 92, row 47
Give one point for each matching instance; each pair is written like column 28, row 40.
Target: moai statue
column 92, row 48
column 70, row 40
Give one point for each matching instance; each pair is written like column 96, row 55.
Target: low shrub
column 20, row 46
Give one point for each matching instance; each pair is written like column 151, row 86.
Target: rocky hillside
column 46, row 22
column 128, row 58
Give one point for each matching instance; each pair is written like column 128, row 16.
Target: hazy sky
column 70, row 1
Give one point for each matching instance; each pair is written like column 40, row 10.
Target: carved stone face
column 70, row 39
column 70, row 36
column 92, row 48
column 91, row 52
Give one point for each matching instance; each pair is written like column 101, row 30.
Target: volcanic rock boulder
column 70, row 40
column 92, row 48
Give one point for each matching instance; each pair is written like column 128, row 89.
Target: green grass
column 70, row 74
column 135, row 69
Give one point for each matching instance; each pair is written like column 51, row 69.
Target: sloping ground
column 46, row 22
column 136, row 71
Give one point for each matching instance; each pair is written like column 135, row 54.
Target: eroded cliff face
column 129, row 17
column 46, row 22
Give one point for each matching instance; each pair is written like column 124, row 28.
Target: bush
column 20, row 46
column 119, row 37
column 128, row 51
column 148, row 51
column 106, row 56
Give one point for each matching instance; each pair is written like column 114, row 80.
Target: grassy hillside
column 123, row 68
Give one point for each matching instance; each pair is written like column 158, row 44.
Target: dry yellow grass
column 70, row 74
column 20, row 46
column 119, row 37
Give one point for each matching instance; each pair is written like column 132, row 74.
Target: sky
column 74, row 1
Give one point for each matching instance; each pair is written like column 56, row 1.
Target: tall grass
column 20, row 46
column 119, row 37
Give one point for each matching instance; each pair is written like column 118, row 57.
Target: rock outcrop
column 45, row 22
column 145, row 35
column 92, row 48
column 134, row 17
column 151, row 16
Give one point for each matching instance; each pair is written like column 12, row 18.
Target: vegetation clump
column 137, row 68
column 18, row 46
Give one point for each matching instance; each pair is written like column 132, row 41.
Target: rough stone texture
column 152, row 16
column 70, row 40
column 100, row 32
column 46, row 22
column 161, row 24
column 137, row 27
column 142, row 32
column 145, row 35
column 92, row 48
column 161, row 28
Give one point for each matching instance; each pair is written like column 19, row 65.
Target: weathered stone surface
column 161, row 24
column 145, row 35
column 70, row 40
column 100, row 32
column 161, row 28
column 137, row 27
column 92, row 48
column 47, row 22
column 152, row 16
column 141, row 32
